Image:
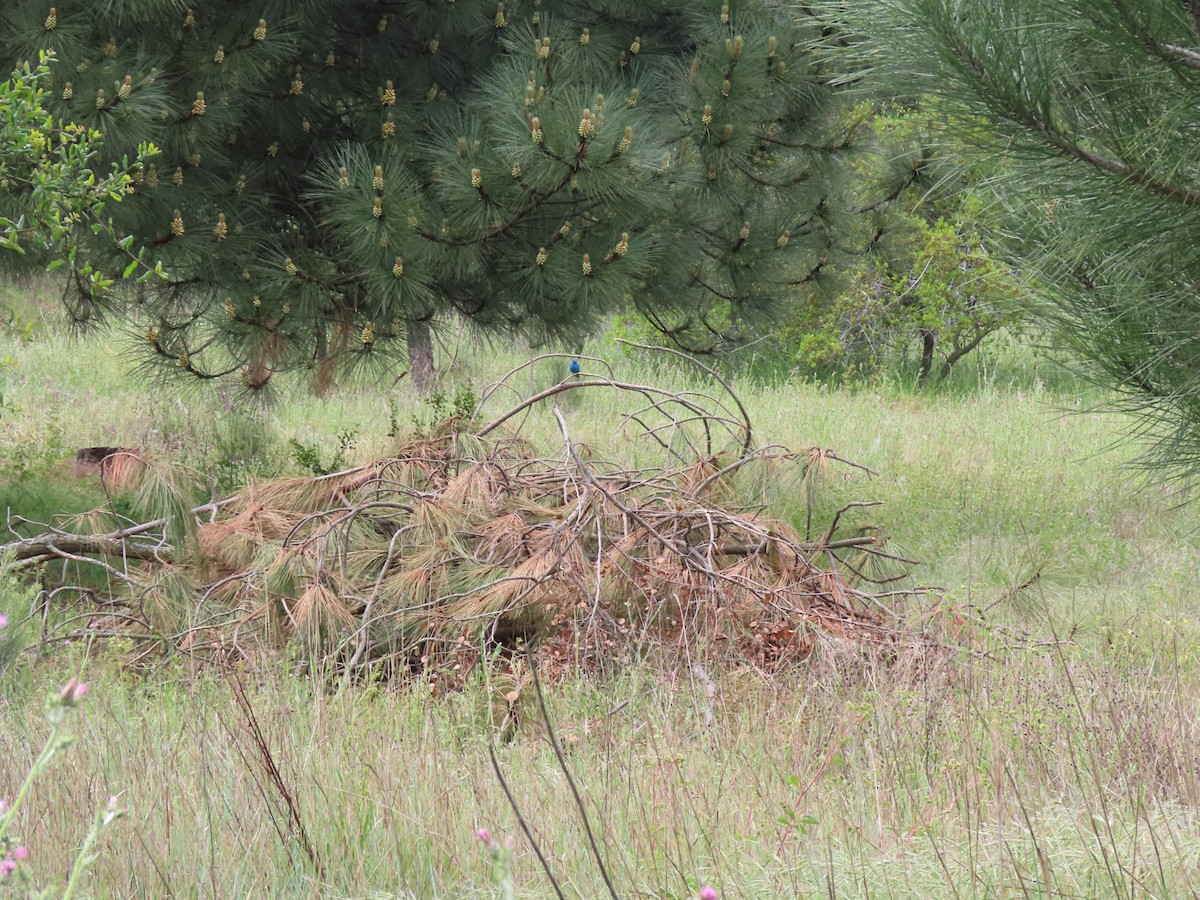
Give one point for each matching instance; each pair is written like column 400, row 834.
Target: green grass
column 1046, row 749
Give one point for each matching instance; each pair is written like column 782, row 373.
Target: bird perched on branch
column 574, row 367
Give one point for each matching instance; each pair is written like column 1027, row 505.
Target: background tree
column 1091, row 114
column 922, row 280
column 335, row 174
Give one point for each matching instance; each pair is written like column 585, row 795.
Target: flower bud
column 623, row 144
column 100, row 101
column 501, row 16
column 587, row 264
column 388, row 96
column 585, row 37
column 706, row 116
column 126, row 88
column 221, row 229
column 73, row 692
column 260, row 33
column 377, row 181
column 177, row 224
column 536, row 130
column 297, row 87
column 343, row 177
column 199, row 107
column 398, row 267
column 543, row 49
column 476, row 179
column 541, row 257
column 377, row 208
column 52, row 19
column 636, row 47
column 219, row 56
column 68, row 91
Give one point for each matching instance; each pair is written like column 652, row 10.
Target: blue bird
column 574, row 367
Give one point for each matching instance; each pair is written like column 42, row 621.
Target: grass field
column 1047, row 749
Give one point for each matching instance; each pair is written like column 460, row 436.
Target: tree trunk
column 420, row 354
column 928, row 339
column 961, row 350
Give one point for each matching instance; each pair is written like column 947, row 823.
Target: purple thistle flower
column 3, row 620
column 20, row 853
column 708, row 893
column 485, row 836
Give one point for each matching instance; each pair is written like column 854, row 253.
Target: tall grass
column 1047, row 749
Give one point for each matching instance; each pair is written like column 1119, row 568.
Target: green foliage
column 50, row 192
column 333, row 175
column 310, row 458
column 1089, row 118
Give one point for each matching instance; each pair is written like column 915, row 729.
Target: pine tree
column 1089, row 108
column 337, row 174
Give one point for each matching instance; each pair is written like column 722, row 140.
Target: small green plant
column 461, row 404
column 310, row 458
column 242, row 448
column 393, row 418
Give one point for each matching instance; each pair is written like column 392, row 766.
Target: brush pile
column 466, row 541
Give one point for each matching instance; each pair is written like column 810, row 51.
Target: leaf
column 129, row 269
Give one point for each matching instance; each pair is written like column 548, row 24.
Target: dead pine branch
column 469, row 541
